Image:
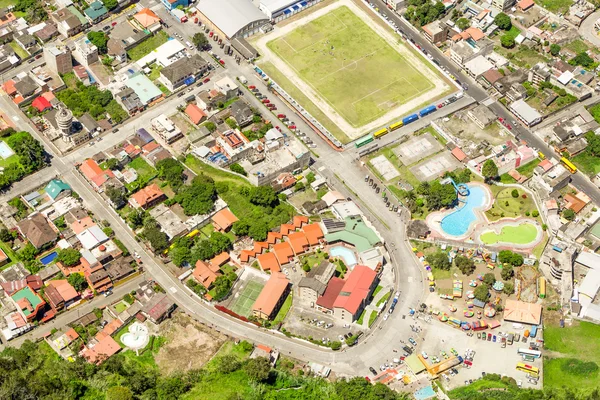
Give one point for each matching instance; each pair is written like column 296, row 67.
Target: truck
column 510, row 339
column 427, row 110
column 409, row 119
column 533, row 331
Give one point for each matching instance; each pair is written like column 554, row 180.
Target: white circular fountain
column 137, row 337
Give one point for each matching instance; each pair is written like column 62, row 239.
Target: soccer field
column 350, row 66
column 243, row 304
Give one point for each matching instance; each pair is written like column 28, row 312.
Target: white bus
column 532, row 353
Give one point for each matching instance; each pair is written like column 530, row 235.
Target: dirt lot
column 189, row 345
column 462, row 127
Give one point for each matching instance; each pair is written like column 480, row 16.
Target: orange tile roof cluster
column 546, row 165
column 269, row 262
column 273, row 237
column 224, row 219
column 271, row 293
column 93, row 173
column 313, row 233
column 220, row 259
column 284, row 252
column 146, row 17
column 205, row 274
column 71, row 334
column 299, row 220
column 147, row 195
column 64, row 289
column 285, row 229
column 102, row 351
column 298, row 242
column 195, row 113
column 82, row 224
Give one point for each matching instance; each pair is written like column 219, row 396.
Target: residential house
column 183, row 71
column 57, row 189
column 195, row 114
column 539, row 73
column 224, row 220
column 67, row 23
column 158, row 308
column 268, row 262
column 146, row 91
column 242, row 113
column 130, row 101
column 58, row 58
column 37, row 230
column 25, row 40
column 101, row 351
column 436, row 32
column 525, row 113
column 166, row 129
column 82, row 74
column 41, row 104
column 87, row 50
column 271, row 297
column 28, row 303
column 227, row 87
column 465, row 50
column 284, row 252
column 206, row 273
column 96, row 12
column 173, row 4
column 298, row 242
column 116, row 50
column 8, row 59
column 147, row 197
column 60, row 294
column 147, row 19
column 327, row 299
column 47, row 33
column 481, row 116
column 94, row 174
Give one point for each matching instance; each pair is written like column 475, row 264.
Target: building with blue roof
column 96, row 11
column 57, row 188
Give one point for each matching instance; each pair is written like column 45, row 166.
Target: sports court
column 435, row 167
column 245, row 297
column 417, row 148
column 385, row 168
column 354, row 69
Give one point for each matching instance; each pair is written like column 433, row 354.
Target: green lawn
column 383, row 299
column 372, row 317
column 525, row 170
column 70, row 80
column 361, row 318
column 577, row 45
column 507, row 206
column 155, row 72
column 12, row 255
column 163, row 89
column 522, row 56
column 120, row 307
column 587, row 163
column 334, row 53
column 146, row 355
column 580, row 348
column 555, row 6
column 377, row 290
column 221, row 387
column 145, row 172
column 21, row 52
column 522, row 234
column 513, row 32
column 313, row 259
column 147, row 46
column 283, row 311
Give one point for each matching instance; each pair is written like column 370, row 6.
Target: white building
column 166, row 129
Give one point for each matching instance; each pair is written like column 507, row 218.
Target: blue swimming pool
column 425, row 393
column 458, row 222
column 345, row 253
column 48, row 258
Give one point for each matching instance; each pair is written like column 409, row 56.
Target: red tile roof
column 102, row 351
column 272, row 237
column 148, row 148
column 459, row 154
column 334, row 287
column 82, row 224
column 9, row 87
column 204, row 274
column 92, row 171
column 224, row 219
column 298, row 242
column 146, row 17
column 313, row 233
column 299, row 220
column 525, row 4
column 41, row 104
column 574, row 203
column 546, row 165
column 195, row 113
column 147, row 195
column 287, row 228
column 356, row 289
column 220, row 259
column 245, row 255
column 271, row 293
column 268, row 262
column 71, row 334
column 284, row 252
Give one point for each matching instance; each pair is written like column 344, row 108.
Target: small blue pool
column 48, row 258
column 458, row 222
column 345, row 253
column 425, row 393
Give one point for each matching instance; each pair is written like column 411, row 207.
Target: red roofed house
column 204, row 274
column 285, row 229
column 147, row 197
column 525, row 4
column 313, row 233
column 284, row 252
column 268, row 262
column 298, row 242
column 224, row 220
column 219, row 260
column 327, row 300
column 246, row 255
column 147, row 19
column 60, row 294
column 353, row 297
column 41, row 104
column 299, row 220
column 82, row 224
column 574, row 203
column 195, row 113
column 273, row 237
column 102, row 351
column 93, row 173
column 459, row 154
column 271, row 297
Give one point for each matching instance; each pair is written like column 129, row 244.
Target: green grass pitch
column 353, row 68
column 243, row 304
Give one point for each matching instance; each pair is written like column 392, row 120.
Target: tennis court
column 245, row 298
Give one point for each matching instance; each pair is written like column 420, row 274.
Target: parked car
column 373, row 371
column 424, row 354
column 412, row 341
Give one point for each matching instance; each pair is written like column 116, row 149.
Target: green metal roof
column 596, row 230
column 27, row 293
column 414, row 364
column 76, row 13
column 95, row 10
column 356, row 233
column 56, row 187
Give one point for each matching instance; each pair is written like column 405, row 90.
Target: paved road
column 587, row 29
column 78, row 312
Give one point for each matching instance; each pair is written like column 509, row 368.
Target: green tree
column 180, row 255
column 112, row 163
column 222, row 287
column 582, row 59
column 228, row 364
column 110, row 4
column 158, row 239
column 489, row 279
column 5, row 235
column 77, row 281
column 68, row 257
column 439, row 260
column 263, row 196
column 335, row 345
column 200, row 40
column 310, row 177
column 100, row 40
column 136, row 218
column 258, row 230
column 171, row 171
column 489, row 169
column 508, row 257
column 464, row 264
column 514, row 193
column 554, row 49
column 237, row 168
column 507, row 272
column 258, row 369
column 568, row 214
column 202, row 250
column 241, row 227
column 116, row 196
column 199, row 197
column 503, row 21
column 219, row 242
column 481, row 292
column 463, row 23
column 507, row 41
column 118, row 392
column 509, row 288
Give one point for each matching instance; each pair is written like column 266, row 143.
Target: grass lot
column 147, row 46
column 283, row 311
column 163, row 89
column 21, row 52
column 242, row 305
column 360, row 319
column 522, row 234
column 301, row 98
column 120, row 307
column 383, row 298
column 146, row 357
column 154, row 72
column 522, row 56
column 70, row 80
column 228, row 348
column 580, row 348
column 12, row 255
column 372, row 317
column 5, row 162
column 507, row 206
column 377, row 290
column 334, row 53
column 145, row 172
column 514, row 32
column 313, row 259
column 577, row 45
column 587, row 163
column 555, row 6
column 525, row 170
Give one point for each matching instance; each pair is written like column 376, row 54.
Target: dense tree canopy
column 77, row 281
column 439, row 260
column 199, row 197
column 464, row 264
column 68, row 257
column 200, row 40
column 507, row 41
column 99, row 39
column 508, row 257
column 582, row 59
column 554, row 49
column 482, row 292
column 422, row 12
column 489, row 169
column 503, row 21
column 171, row 171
